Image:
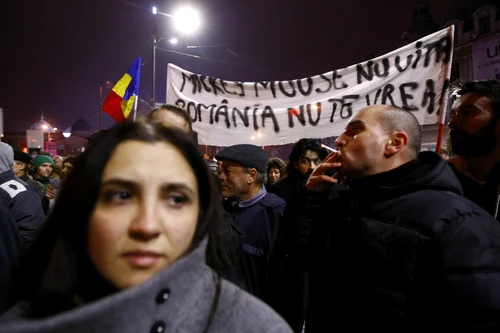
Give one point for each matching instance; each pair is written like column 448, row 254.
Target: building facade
column 477, row 43
column 476, row 54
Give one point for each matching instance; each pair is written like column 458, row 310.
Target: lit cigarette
column 329, row 148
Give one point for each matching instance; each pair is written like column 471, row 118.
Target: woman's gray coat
column 178, row 299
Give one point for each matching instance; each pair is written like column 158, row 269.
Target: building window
column 462, row 14
column 468, row 24
column 455, row 71
column 484, row 25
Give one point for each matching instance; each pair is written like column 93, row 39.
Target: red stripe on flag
column 112, row 106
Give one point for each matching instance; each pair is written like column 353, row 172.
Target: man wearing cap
column 22, row 162
column 24, row 204
column 43, row 169
column 21, row 165
column 256, row 213
column 43, row 175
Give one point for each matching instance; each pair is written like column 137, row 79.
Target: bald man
column 172, row 116
column 397, row 248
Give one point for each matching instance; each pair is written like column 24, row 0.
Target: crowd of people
column 141, row 233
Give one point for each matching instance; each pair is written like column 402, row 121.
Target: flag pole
column 444, row 105
column 135, row 107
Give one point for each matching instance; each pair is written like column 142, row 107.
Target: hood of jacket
column 6, row 157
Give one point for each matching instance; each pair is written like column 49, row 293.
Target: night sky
column 55, row 53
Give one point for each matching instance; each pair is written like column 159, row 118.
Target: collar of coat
column 180, row 294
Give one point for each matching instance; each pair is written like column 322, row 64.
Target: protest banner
column 225, row 113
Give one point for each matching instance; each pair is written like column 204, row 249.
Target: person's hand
column 318, row 181
column 50, row 193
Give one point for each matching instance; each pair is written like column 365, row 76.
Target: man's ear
column 252, row 176
column 396, row 142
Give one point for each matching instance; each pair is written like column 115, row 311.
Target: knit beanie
column 6, row 157
column 41, row 159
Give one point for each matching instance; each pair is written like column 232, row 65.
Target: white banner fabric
column 225, row 113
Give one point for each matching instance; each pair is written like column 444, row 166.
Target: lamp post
column 100, row 101
column 155, row 45
column 186, row 20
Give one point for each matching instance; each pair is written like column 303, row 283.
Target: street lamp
column 100, row 101
column 186, row 20
column 67, row 132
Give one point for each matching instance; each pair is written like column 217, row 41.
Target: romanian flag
column 123, row 97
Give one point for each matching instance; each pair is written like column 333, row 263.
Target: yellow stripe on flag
column 128, row 105
column 122, row 85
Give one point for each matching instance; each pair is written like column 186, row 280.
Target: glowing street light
column 67, row 132
column 186, row 20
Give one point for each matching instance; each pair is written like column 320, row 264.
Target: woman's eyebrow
column 128, row 184
column 169, row 187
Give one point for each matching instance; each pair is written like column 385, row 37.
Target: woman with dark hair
column 67, row 166
column 124, row 249
column 276, row 169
